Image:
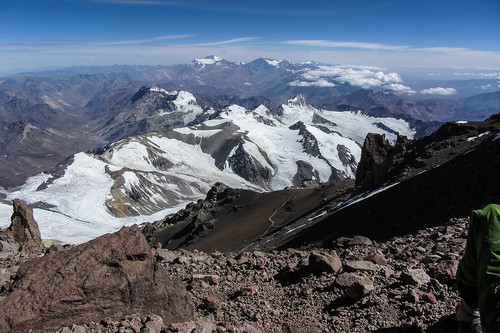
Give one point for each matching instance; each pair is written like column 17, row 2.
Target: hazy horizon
column 390, row 34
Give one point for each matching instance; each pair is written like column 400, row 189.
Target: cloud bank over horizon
column 364, row 77
column 439, row 91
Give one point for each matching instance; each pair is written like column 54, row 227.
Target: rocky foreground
column 118, row 283
column 403, row 285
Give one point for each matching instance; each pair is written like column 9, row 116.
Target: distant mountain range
column 47, row 116
column 158, row 137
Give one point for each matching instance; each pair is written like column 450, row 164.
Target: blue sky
column 386, row 33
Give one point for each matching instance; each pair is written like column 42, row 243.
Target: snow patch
column 274, row 63
column 216, row 122
column 159, row 89
column 5, row 214
column 198, row 133
column 209, row 60
column 477, row 137
column 131, row 180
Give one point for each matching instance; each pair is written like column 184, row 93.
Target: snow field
column 356, row 126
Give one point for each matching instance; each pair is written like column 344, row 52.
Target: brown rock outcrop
column 110, row 277
column 24, row 229
column 378, row 159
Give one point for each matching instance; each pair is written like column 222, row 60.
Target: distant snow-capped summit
column 201, row 63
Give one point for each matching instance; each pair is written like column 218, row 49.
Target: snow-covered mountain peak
column 273, row 62
column 161, row 90
column 201, row 63
column 299, row 101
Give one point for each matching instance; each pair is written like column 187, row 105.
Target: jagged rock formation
column 378, row 157
column 248, row 167
column 23, row 235
column 110, row 277
column 374, row 162
column 25, row 230
column 382, row 164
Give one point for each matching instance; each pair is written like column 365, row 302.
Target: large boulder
column 24, row 230
column 321, row 262
column 109, row 277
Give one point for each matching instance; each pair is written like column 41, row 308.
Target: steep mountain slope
column 419, row 184
column 406, row 284
column 36, row 134
column 295, row 145
column 149, row 109
column 455, row 174
column 43, row 121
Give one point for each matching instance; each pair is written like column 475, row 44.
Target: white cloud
column 464, row 74
column 359, row 45
column 439, row 91
column 229, row 41
column 481, row 75
column 397, row 87
column 443, row 49
column 363, row 77
column 485, row 86
column 154, row 39
column 492, row 75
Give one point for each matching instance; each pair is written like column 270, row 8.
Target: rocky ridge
column 382, row 163
column 405, row 284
